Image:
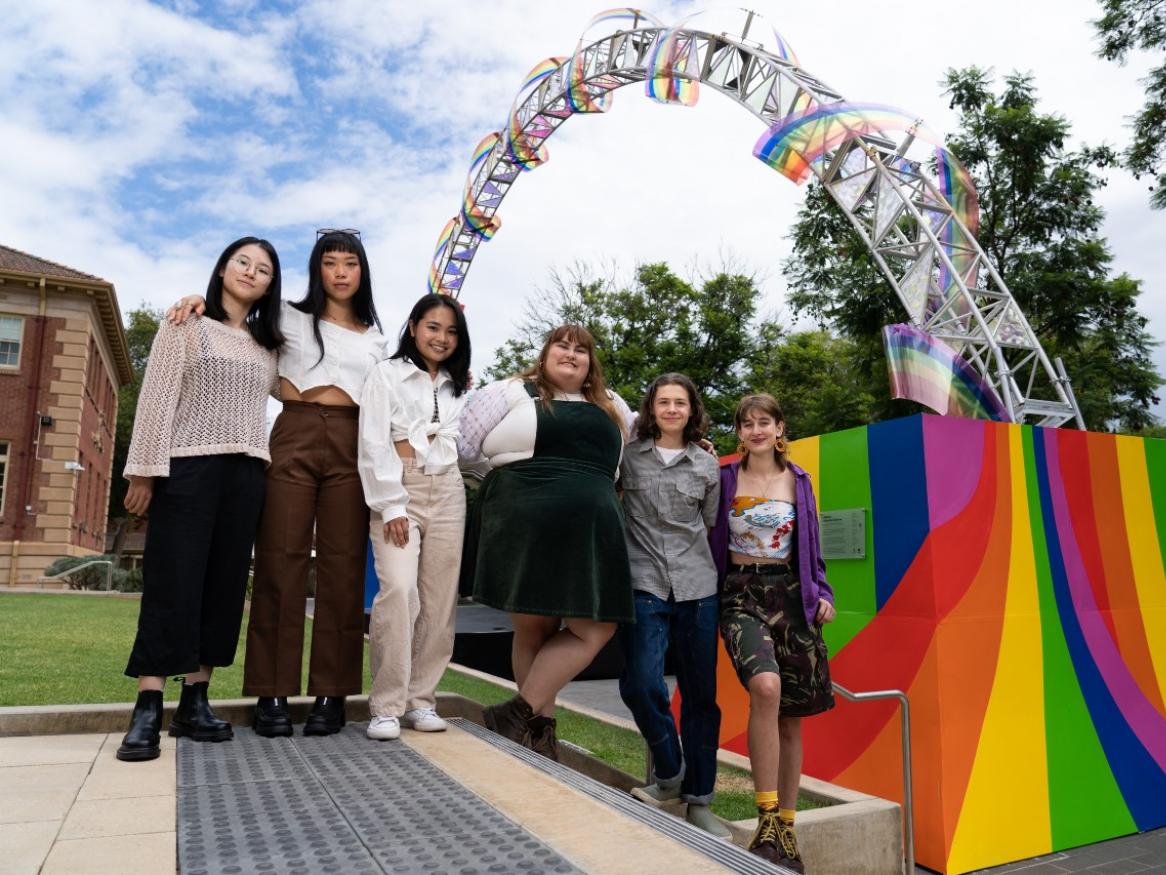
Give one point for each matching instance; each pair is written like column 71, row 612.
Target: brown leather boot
column 510, row 719
column 542, row 737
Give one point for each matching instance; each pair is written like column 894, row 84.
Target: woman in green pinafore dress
column 547, row 540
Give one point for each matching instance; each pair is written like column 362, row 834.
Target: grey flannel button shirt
column 669, row 509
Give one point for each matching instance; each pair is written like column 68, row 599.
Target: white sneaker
column 424, row 720
column 383, row 728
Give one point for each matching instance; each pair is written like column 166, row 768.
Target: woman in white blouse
column 548, row 542
column 333, row 341
column 408, row 464
column 196, row 464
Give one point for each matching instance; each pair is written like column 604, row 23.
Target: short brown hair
column 698, row 421
column 765, row 403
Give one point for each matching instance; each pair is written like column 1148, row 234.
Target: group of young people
column 592, row 520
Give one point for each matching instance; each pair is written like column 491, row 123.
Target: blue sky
column 138, row 138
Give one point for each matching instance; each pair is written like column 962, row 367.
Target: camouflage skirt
column 763, row 625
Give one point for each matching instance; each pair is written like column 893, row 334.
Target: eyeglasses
column 321, row 232
column 244, row 264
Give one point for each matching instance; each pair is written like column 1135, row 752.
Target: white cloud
column 139, row 138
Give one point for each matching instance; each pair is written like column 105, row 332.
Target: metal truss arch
column 893, row 205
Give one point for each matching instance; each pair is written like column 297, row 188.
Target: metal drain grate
column 338, row 804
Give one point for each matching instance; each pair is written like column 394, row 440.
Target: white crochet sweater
column 204, row 394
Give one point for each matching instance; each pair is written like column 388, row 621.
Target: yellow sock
column 786, row 814
column 766, row 800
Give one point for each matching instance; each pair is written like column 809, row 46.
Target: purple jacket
column 811, row 565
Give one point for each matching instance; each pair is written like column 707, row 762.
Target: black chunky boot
column 326, row 716
column 196, row 719
column 272, row 719
column 141, row 742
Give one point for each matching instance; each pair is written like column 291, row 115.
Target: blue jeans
column 690, row 630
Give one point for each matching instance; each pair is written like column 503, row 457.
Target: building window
column 3, row 472
column 11, row 330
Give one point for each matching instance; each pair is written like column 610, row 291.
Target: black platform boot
column 326, row 717
column 196, row 719
column 141, row 742
column 272, row 719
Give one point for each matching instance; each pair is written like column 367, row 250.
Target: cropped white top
column 348, row 355
column 204, row 394
column 400, row 402
column 500, row 422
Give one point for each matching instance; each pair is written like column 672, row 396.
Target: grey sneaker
column 702, row 816
column 654, row 794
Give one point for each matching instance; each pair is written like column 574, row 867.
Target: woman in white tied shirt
column 409, row 414
column 332, row 341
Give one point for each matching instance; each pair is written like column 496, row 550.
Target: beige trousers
column 412, row 624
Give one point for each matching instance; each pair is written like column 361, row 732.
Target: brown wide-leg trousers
column 312, row 481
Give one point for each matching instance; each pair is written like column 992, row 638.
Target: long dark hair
column 698, row 421
column 315, row 300
column 458, row 364
column 263, row 318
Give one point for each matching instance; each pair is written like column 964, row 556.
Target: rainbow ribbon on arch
column 795, row 143
column 923, row 368
column 578, row 92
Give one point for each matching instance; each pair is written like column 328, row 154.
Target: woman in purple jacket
column 774, row 598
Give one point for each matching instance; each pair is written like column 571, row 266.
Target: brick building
column 63, row 357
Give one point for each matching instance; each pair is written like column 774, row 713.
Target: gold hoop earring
column 780, row 445
column 741, row 448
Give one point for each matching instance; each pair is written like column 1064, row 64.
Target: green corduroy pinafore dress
column 548, row 532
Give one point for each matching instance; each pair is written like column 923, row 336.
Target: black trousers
column 202, row 524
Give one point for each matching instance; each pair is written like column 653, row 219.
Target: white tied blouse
column 348, row 355
column 398, row 403
column 500, row 422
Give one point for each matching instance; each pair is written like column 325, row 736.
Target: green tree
column 662, row 323
column 141, row 326
column 1141, row 24
column 1041, row 228
column 817, row 377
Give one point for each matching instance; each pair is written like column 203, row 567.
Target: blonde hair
column 594, row 389
column 766, row 404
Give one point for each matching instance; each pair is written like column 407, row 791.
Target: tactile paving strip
column 338, row 804
column 732, row 857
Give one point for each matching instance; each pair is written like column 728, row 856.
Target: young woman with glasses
column 196, row 465
column 314, row 494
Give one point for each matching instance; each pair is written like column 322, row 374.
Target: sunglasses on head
column 320, row 232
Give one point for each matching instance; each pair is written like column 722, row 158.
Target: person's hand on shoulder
column 189, row 305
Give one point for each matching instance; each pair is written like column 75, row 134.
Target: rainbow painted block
column 1014, row 589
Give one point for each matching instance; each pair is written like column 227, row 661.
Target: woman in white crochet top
column 314, row 494
column 196, row 463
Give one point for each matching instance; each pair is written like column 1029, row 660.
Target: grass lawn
column 62, row 650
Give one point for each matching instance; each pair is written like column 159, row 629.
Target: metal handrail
column 108, row 572
column 908, row 802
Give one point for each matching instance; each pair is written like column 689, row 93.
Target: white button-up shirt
column 398, row 404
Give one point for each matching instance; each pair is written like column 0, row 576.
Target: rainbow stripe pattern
column 925, row 369
column 669, row 64
column 959, row 190
column 1014, row 588
column 443, row 239
column 579, row 94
